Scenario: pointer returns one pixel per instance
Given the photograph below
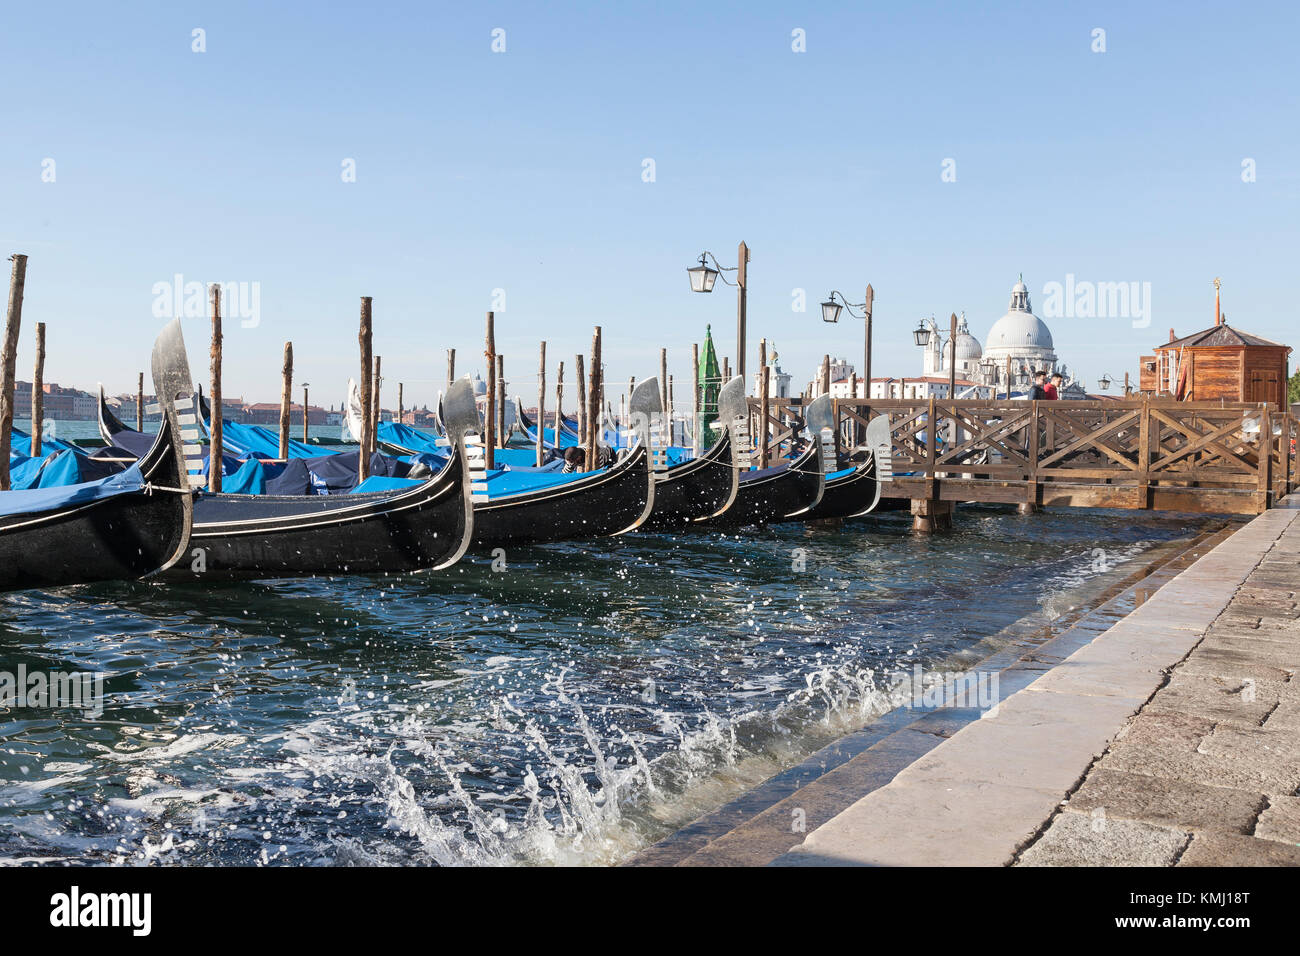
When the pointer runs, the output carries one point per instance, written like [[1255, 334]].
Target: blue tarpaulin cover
[[39, 500]]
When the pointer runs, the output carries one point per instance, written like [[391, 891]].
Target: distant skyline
[[937, 151]]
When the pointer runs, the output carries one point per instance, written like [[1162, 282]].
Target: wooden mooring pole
[[139, 403], [451, 369], [501, 400], [541, 409], [215, 447], [305, 416], [401, 409], [559, 399], [593, 403], [8, 362], [375, 404], [366, 340], [582, 401], [760, 434], [696, 426], [490, 418], [286, 399], [38, 392]]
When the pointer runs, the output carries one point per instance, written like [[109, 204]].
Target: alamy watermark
[[47, 690], [1084, 299], [925, 690], [177, 298]]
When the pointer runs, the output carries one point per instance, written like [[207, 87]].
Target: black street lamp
[[921, 335], [702, 279]]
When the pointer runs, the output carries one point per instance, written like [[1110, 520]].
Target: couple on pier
[[1043, 390]]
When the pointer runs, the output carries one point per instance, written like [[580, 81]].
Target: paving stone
[[1217, 698], [1181, 804], [1086, 839], [1280, 820], [1235, 664], [1176, 731], [1250, 772], [1227, 849], [961, 823]]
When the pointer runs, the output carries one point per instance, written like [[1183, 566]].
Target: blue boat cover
[[39, 500], [384, 483], [20, 443], [842, 473], [404, 436], [515, 481], [245, 440]]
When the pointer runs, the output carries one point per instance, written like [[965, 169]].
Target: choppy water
[[572, 708]]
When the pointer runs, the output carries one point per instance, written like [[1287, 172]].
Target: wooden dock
[[1138, 453]]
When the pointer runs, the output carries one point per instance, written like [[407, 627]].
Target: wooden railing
[[1132, 453]]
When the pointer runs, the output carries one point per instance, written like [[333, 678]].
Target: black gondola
[[857, 493], [611, 501], [416, 528], [702, 488], [118, 434], [127, 526], [789, 490]]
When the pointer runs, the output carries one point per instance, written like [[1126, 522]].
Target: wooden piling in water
[[9, 360], [559, 399], [490, 418], [663, 379], [451, 369], [696, 438], [375, 405], [366, 388], [139, 403], [501, 400], [38, 392], [593, 403], [215, 426], [305, 417], [582, 401], [286, 399], [760, 434], [541, 408]]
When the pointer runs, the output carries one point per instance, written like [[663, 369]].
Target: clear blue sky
[[523, 171]]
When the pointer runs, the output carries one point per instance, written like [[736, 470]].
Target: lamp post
[[1105, 381], [831, 308], [703, 278]]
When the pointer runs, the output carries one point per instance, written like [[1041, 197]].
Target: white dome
[[480, 386], [968, 347], [1020, 330]]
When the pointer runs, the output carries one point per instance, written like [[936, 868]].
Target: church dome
[[1020, 328], [480, 386], [968, 347]]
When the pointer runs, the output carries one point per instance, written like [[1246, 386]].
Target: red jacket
[[1050, 389]]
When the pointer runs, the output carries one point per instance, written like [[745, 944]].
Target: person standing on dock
[[1038, 391], [1054, 387]]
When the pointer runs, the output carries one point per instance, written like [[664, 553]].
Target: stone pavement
[[1171, 739]]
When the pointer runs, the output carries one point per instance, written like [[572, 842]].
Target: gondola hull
[[849, 496], [267, 536], [694, 490], [787, 491], [605, 503], [112, 539]]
